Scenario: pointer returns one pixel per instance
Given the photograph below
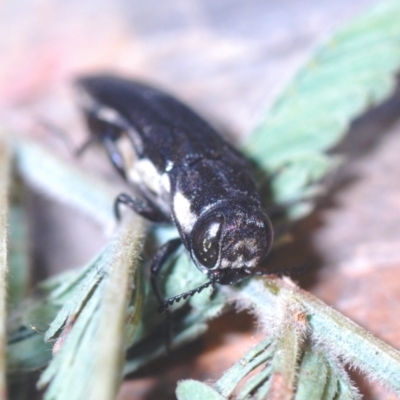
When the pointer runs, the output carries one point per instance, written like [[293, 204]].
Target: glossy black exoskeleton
[[184, 173]]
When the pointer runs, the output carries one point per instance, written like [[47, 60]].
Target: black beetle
[[184, 173]]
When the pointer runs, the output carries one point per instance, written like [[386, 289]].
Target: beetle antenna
[[57, 132], [82, 148], [62, 135], [176, 299]]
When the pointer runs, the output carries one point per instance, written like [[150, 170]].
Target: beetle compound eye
[[206, 241]]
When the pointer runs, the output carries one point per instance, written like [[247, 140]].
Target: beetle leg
[[108, 138], [158, 261], [142, 207], [81, 149], [113, 152]]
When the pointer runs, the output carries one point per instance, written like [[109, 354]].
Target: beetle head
[[230, 240]]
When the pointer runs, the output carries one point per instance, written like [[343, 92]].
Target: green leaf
[[193, 390], [354, 70], [278, 355], [97, 322], [78, 292], [27, 353], [314, 378], [150, 340], [64, 182], [258, 355], [18, 260]]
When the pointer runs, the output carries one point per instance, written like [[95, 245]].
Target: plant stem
[[4, 185], [109, 358], [338, 335]]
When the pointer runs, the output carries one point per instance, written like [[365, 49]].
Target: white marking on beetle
[[238, 263], [246, 243], [105, 113], [136, 140], [169, 166], [252, 263], [144, 171], [185, 217], [127, 152], [110, 115], [166, 182], [225, 263]]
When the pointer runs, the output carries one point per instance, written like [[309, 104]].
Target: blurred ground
[[228, 59]]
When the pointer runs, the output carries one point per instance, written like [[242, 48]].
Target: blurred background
[[228, 59]]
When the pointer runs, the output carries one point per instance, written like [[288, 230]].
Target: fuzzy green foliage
[[352, 72]]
